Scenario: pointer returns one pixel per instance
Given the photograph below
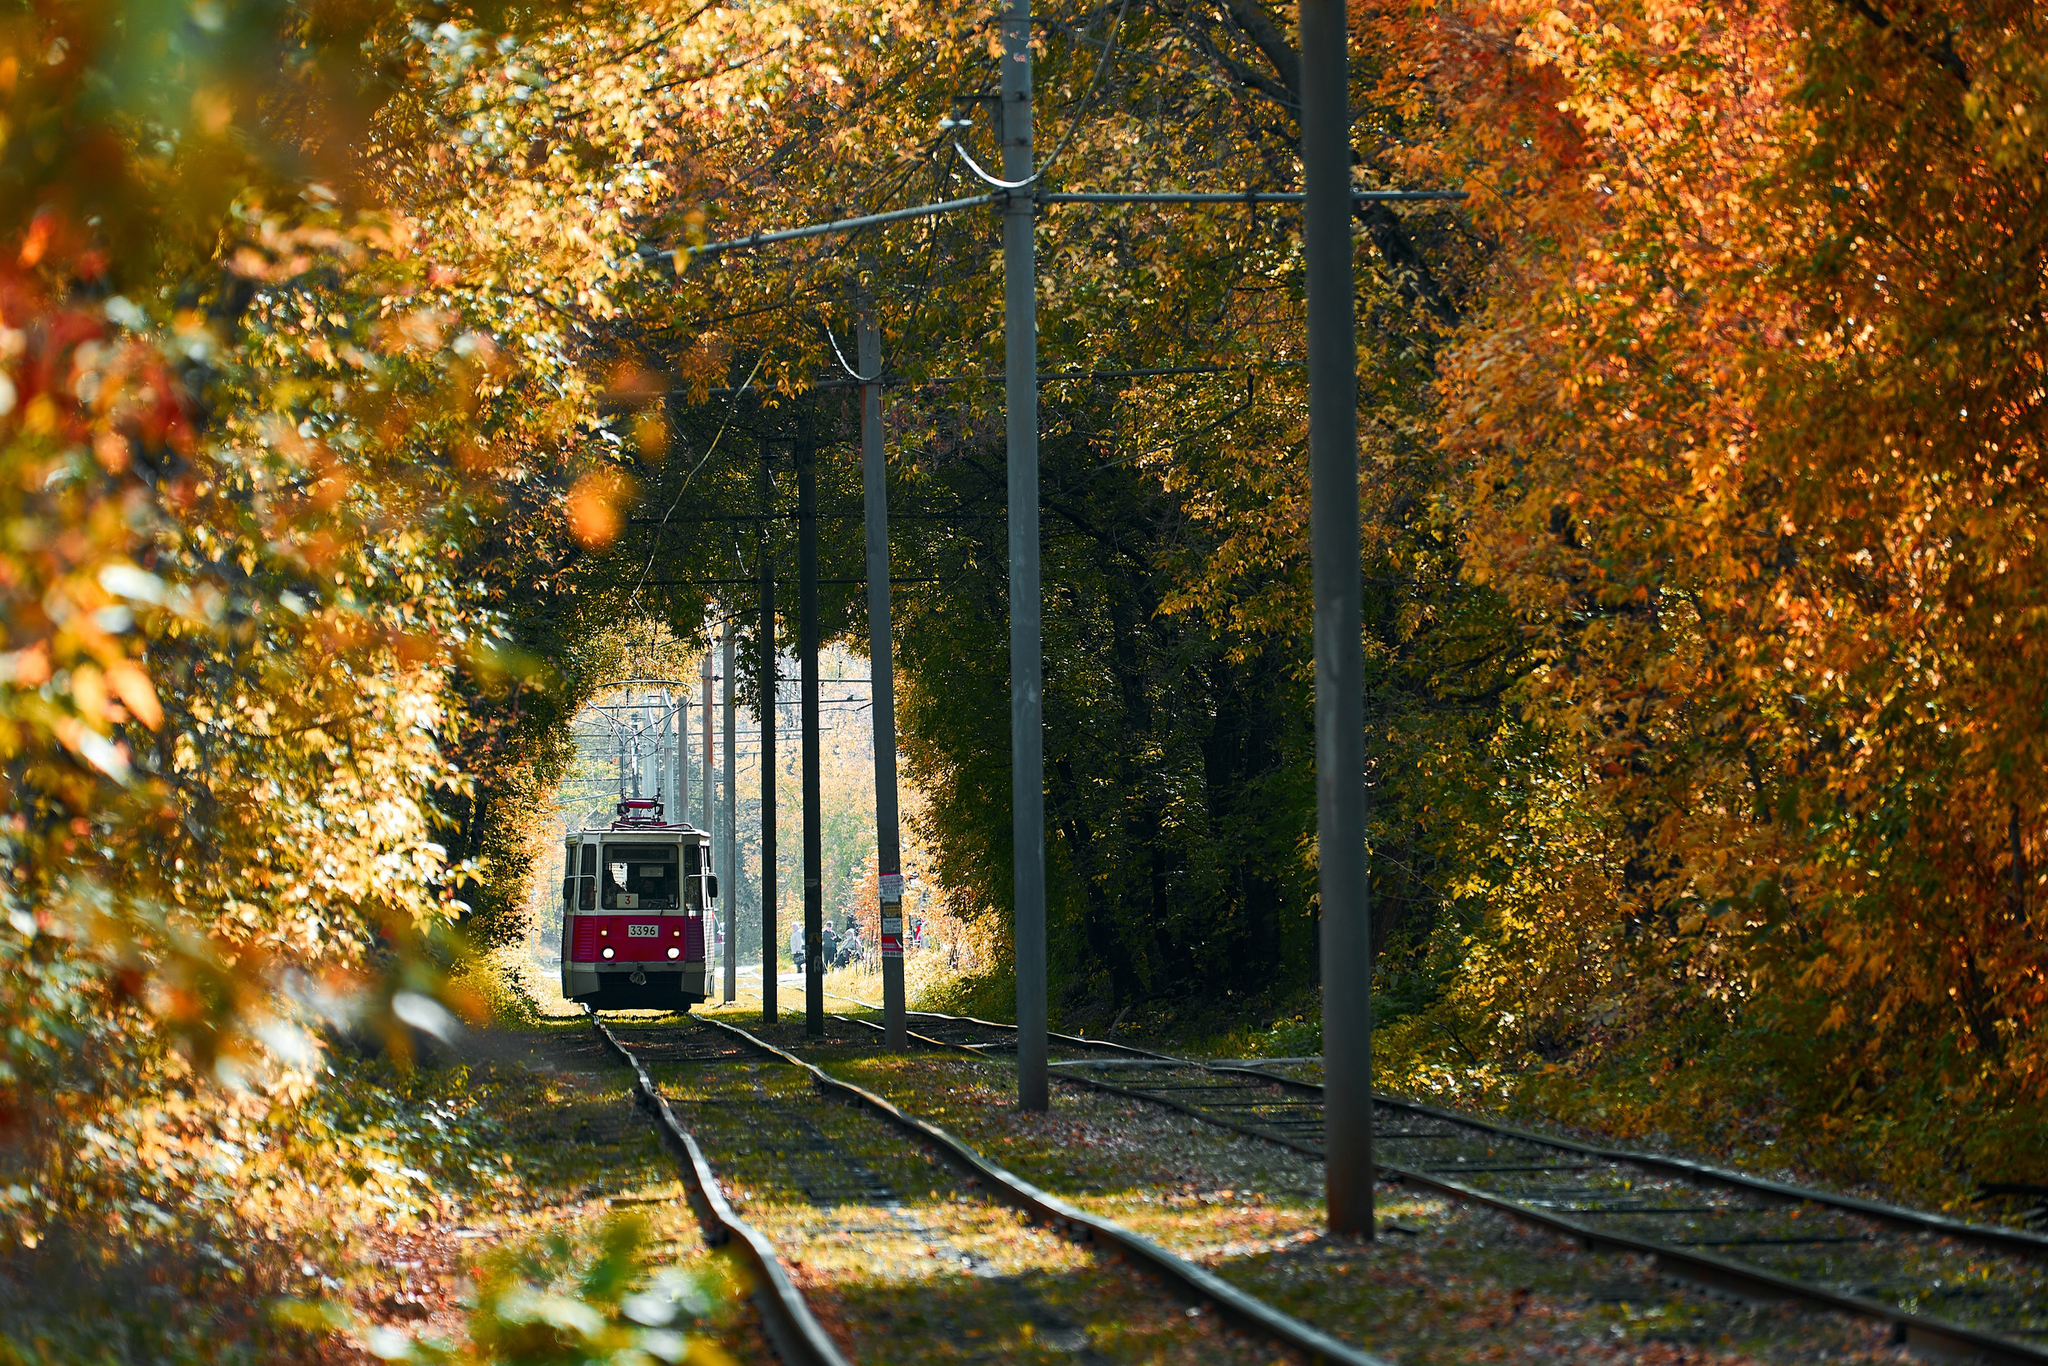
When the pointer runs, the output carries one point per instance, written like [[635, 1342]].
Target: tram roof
[[637, 828], [640, 816]]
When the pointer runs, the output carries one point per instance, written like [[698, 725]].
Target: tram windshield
[[647, 873]]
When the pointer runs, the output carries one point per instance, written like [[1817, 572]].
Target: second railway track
[[1970, 1291]]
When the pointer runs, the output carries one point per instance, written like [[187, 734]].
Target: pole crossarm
[[1242, 197], [839, 583], [999, 197]]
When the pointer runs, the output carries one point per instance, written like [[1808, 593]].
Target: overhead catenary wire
[[1044, 377], [1073, 126], [763, 239], [856, 376], [678, 502]]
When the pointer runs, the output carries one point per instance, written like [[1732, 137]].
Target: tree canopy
[[358, 382]]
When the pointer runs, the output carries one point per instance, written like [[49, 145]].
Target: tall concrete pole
[[882, 672], [705, 801], [1340, 657], [807, 663], [622, 730], [1027, 702], [768, 941], [659, 745], [729, 829]]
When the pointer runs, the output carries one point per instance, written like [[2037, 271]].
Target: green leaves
[[562, 1302]]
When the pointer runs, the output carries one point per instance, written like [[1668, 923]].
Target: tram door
[[579, 886]]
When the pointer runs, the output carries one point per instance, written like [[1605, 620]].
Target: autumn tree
[[1747, 432]]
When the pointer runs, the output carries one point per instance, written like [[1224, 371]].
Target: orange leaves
[[597, 506], [35, 241], [1764, 363]]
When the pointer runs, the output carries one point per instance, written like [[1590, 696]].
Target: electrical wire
[[730, 413], [1080, 113], [841, 355]]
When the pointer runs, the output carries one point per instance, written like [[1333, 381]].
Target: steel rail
[[1908, 1327], [1898, 1216], [1192, 1281], [1071, 1040], [794, 1331]]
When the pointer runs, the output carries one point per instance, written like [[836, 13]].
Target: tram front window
[[641, 877]]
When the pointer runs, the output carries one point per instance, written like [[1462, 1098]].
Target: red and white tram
[[633, 912]]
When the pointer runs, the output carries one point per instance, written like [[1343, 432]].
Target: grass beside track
[[903, 1260], [1445, 1282], [535, 1134]]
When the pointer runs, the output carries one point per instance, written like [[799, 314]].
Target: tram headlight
[[675, 953], [610, 952]]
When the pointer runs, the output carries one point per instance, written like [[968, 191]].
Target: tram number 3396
[[643, 931]]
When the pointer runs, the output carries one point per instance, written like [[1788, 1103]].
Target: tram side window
[[648, 871], [692, 876], [586, 896], [568, 873]]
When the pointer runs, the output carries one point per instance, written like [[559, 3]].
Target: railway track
[[1967, 1290], [798, 1337], [823, 1180]]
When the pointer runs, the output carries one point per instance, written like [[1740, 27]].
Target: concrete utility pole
[[768, 944], [658, 742], [807, 666], [681, 716], [1027, 702], [881, 672], [622, 731], [656, 732], [705, 801], [729, 828], [1340, 657]]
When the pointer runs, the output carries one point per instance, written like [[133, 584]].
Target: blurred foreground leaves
[[266, 475], [559, 1300]]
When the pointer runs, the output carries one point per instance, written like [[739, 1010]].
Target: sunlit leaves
[[1746, 431]]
